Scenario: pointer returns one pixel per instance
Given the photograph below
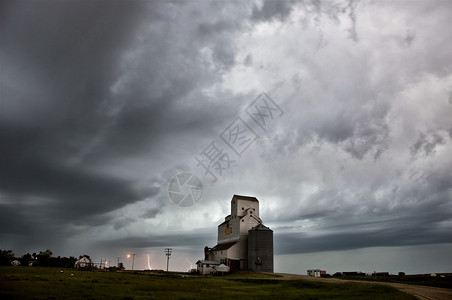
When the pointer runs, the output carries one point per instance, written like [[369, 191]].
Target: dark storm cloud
[[292, 243], [83, 35], [104, 101], [427, 144], [73, 49], [388, 228], [156, 98], [87, 86], [70, 49], [72, 46], [78, 189], [272, 9], [33, 223], [195, 240], [76, 48], [151, 213], [32, 166], [408, 223], [357, 132]]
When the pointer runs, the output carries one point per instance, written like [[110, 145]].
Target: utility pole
[[118, 262], [168, 254]]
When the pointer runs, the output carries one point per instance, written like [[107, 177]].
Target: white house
[[316, 272], [83, 262], [206, 267], [15, 263]]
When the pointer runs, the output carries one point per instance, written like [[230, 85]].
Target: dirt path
[[421, 292]]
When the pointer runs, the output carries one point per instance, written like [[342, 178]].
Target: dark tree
[[68, 262], [44, 258], [54, 261], [25, 259], [6, 256]]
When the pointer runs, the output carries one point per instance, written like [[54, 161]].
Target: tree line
[[43, 259]]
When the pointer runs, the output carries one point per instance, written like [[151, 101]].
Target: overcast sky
[[104, 102]]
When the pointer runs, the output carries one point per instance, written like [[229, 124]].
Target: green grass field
[[49, 283], [427, 280]]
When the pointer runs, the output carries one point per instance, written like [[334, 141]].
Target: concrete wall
[[233, 253], [237, 225], [239, 206], [247, 222]]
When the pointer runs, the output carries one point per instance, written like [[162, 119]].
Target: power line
[[168, 254]]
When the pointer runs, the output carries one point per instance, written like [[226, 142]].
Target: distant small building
[[15, 263], [84, 263], [206, 267], [316, 273]]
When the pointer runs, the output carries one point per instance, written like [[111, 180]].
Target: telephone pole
[[168, 254]]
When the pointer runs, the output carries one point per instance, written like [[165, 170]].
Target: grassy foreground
[[49, 283], [427, 280]]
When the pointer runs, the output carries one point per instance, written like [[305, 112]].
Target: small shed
[[206, 267], [15, 263], [316, 273], [222, 268]]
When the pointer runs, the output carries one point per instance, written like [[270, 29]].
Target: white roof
[[208, 262], [84, 259], [223, 268]]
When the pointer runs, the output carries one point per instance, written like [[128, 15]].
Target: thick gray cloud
[[272, 9], [193, 240], [102, 103]]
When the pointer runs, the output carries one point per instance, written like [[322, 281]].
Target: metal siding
[[260, 245]]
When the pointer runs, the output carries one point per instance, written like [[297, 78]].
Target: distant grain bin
[[260, 249]]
